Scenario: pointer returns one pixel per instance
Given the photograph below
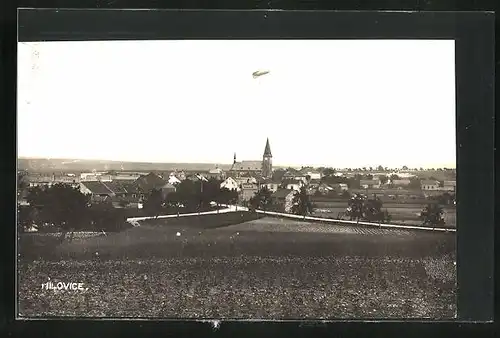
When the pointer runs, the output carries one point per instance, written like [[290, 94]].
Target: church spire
[[267, 150], [234, 159]]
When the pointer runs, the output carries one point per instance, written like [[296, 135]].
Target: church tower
[[267, 161]]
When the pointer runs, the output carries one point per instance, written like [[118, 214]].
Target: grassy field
[[265, 268], [399, 212]]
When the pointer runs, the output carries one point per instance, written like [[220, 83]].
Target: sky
[[339, 103]]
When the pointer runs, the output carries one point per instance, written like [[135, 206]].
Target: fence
[[235, 208], [229, 208]]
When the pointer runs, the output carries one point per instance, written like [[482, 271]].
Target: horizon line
[[374, 167]]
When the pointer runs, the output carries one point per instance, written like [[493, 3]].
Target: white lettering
[[63, 286]]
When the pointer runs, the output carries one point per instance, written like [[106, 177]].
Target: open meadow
[[262, 268], [400, 213]]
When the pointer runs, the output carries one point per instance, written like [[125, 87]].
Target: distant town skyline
[[330, 103]]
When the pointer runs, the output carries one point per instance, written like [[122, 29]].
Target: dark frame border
[[474, 36]]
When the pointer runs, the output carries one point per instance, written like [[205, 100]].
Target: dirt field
[[266, 268]]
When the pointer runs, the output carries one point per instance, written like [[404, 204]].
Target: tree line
[[66, 207]]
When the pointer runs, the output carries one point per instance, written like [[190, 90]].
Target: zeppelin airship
[[259, 73]]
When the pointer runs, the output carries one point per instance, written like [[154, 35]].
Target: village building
[[197, 178], [167, 189], [38, 180], [314, 175], [248, 190], [369, 184], [245, 179], [173, 180], [295, 175], [324, 189], [95, 176], [340, 187], [216, 173], [292, 184], [263, 168], [429, 185], [231, 184], [269, 183]]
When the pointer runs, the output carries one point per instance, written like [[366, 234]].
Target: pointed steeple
[[234, 160], [267, 150]]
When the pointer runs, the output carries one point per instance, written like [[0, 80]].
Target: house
[[429, 185], [231, 184], [196, 178], [293, 184], [314, 175], [49, 180], [95, 176], [293, 175], [339, 187], [167, 189], [369, 184], [314, 183], [271, 184], [450, 185], [97, 190], [283, 198], [248, 190], [216, 173], [149, 182], [180, 175], [401, 182], [173, 180], [245, 179], [324, 188]]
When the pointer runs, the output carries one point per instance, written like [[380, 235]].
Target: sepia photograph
[[237, 179]]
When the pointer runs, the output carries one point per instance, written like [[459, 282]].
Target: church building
[[263, 168]]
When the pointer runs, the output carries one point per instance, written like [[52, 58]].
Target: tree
[[346, 194], [432, 214], [22, 182], [301, 205], [405, 167], [187, 193], [380, 168], [154, 203], [211, 192], [372, 211], [103, 216], [328, 172], [394, 177], [355, 207], [383, 179], [414, 183], [172, 200], [262, 199], [60, 204]]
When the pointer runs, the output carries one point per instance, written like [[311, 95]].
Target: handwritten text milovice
[[63, 286]]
